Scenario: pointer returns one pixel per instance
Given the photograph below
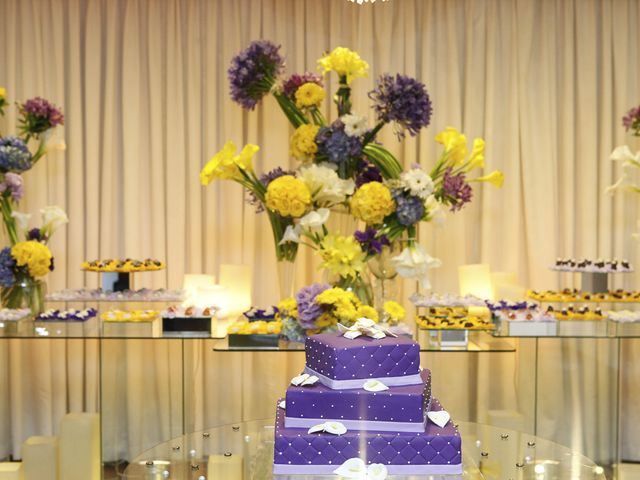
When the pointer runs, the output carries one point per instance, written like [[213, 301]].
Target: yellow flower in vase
[[495, 178], [372, 202], [225, 164], [34, 255], [369, 312], [342, 256], [346, 63], [309, 95], [288, 196], [455, 146], [394, 311], [288, 308], [303, 142]]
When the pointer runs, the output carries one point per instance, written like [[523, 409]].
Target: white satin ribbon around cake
[[334, 428], [356, 468], [364, 326], [304, 380], [400, 381], [439, 417]]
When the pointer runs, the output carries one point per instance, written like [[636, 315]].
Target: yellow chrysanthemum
[[368, 312], [455, 146], [226, 164], [303, 142], [346, 63], [342, 256], [496, 178], [326, 320], [288, 307], [288, 196], [346, 312], [395, 311], [372, 202], [34, 255], [331, 296], [309, 95]]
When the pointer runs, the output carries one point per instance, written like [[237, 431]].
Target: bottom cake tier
[[437, 451]]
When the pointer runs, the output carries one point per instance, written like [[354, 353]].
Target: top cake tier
[[342, 363]]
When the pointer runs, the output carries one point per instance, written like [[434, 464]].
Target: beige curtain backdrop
[[143, 86]]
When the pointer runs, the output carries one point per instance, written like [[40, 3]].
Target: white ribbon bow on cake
[[364, 326]]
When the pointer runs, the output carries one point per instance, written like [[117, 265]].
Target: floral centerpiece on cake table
[[341, 165], [320, 308], [28, 258]]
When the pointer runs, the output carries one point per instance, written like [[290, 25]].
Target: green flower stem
[[342, 98], [292, 112], [371, 134], [383, 159], [9, 221], [318, 117], [42, 150]]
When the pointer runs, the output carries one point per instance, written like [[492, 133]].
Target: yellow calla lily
[[496, 178], [477, 155], [245, 158], [455, 146], [225, 164], [3, 92]]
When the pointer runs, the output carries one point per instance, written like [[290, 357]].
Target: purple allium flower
[[455, 190], [403, 100], [409, 209], [39, 115], [335, 145], [370, 241], [631, 121], [7, 267], [291, 85], [14, 155], [308, 309], [253, 72], [13, 184], [368, 173]]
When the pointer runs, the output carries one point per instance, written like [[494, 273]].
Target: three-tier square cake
[[386, 422]]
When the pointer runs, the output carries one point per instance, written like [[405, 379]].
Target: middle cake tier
[[398, 409], [343, 363]]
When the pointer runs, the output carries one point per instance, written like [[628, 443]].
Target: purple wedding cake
[[375, 392]]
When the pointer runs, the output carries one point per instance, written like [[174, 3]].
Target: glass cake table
[[244, 451]]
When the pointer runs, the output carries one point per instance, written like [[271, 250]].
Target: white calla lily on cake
[[334, 428], [356, 468]]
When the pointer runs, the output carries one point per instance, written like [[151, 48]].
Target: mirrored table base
[[245, 452]]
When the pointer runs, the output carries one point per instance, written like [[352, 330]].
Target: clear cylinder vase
[[384, 277], [286, 276], [27, 292]]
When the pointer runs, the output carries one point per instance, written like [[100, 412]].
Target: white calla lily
[[291, 234], [415, 262], [315, 219], [334, 428], [53, 217], [22, 220], [623, 153], [352, 468], [374, 386], [377, 471], [440, 417]]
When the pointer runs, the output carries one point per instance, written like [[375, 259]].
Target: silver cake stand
[[244, 451]]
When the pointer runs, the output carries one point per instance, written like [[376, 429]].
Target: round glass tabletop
[[244, 451]]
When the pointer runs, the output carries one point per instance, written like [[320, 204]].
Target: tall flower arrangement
[[341, 163], [624, 155], [28, 258]]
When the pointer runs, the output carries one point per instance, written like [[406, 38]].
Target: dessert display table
[[245, 450]]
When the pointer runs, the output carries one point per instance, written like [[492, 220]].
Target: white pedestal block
[[40, 458], [225, 466], [79, 447], [11, 471]]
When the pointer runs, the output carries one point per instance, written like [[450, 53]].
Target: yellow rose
[[288, 196], [372, 202]]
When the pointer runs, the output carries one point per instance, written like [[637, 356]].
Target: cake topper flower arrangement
[[28, 258], [340, 164]]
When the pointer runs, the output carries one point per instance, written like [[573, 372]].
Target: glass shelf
[[479, 341], [582, 329], [245, 450]]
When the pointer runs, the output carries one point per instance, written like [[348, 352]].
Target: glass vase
[[341, 222], [286, 274], [384, 276], [27, 292]]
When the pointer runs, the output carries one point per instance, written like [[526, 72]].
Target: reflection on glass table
[[245, 452]]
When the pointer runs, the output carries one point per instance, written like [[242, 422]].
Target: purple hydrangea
[[7, 268], [403, 100], [14, 155], [308, 309], [39, 115], [631, 121], [370, 241], [455, 190], [335, 145], [368, 172], [291, 85], [409, 209], [253, 72], [12, 184]]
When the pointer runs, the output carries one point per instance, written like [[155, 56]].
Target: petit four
[[591, 266], [67, 315], [14, 314], [127, 265], [573, 295], [444, 300], [129, 316], [99, 295]]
